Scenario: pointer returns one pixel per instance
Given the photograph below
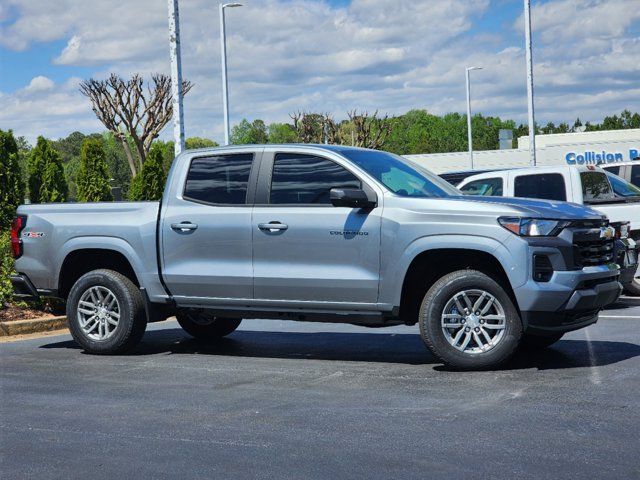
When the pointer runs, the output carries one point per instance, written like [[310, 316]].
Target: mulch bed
[[13, 313]]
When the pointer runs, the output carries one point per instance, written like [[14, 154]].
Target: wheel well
[[430, 266], [79, 262]]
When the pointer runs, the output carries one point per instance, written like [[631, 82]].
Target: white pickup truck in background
[[585, 185]]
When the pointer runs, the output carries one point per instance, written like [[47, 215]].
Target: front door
[[206, 231], [306, 250]]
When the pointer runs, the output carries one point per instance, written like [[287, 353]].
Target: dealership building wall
[[583, 148]]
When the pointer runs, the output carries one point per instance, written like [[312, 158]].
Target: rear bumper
[[23, 289]]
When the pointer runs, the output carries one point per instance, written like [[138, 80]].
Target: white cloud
[[39, 84], [302, 54]]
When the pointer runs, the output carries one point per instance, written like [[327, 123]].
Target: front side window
[[491, 187], [545, 186], [622, 188], [595, 187], [222, 179], [307, 179]]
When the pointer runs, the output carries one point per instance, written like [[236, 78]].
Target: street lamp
[[176, 76], [223, 49], [469, 114], [529, 58]]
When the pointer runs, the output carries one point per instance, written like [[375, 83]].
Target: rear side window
[[307, 179], [595, 187], [635, 175], [222, 179], [615, 170], [546, 186], [491, 187]]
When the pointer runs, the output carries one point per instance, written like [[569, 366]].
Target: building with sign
[[580, 148]]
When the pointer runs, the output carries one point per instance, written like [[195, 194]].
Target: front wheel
[[204, 326], [469, 322]]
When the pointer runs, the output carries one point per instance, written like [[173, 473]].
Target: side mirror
[[350, 197]]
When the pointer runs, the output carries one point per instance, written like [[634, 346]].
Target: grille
[[593, 252]]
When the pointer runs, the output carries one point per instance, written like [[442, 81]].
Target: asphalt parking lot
[[297, 400]]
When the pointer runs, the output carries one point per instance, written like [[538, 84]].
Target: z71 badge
[[33, 234]]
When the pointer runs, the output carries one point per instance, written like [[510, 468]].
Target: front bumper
[[569, 301]]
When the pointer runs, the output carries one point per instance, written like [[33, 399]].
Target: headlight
[[533, 227]]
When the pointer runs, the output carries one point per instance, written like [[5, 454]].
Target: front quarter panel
[[411, 227]]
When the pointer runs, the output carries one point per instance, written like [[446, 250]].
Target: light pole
[[529, 56], [176, 76], [469, 136], [223, 51]]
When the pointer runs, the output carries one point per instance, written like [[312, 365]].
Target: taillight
[[17, 225]]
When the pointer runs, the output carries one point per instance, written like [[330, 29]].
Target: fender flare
[[115, 244], [391, 287]]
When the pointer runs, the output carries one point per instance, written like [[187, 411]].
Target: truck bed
[[53, 230]]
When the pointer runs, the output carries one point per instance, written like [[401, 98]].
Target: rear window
[[545, 186], [615, 170], [490, 187], [596, 187], [219, 180], [635, 175]]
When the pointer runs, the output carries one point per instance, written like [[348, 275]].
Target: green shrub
[[6, 268], [11, 184], [93, 174], [149, 183], [46, 174]]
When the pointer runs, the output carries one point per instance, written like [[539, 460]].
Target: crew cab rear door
[[305, 249], [206, 228]]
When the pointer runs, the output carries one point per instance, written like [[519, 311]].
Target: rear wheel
[[539, 342], [105, 312], [469, 322], [205, 326]]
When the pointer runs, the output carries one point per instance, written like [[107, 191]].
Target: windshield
[[399, 175], [622, 188], [596, 187]]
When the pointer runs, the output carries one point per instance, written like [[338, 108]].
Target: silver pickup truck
[[320, 233]]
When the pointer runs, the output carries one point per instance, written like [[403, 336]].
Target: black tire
[[432, 333], [539, 342], [132, 320], [204, 326], [634, 287]]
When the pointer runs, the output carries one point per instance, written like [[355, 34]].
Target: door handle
[[272, 227], [184, 226]]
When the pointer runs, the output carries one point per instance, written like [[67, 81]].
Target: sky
[[328, 56]]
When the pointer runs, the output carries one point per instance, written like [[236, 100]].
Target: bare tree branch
[[129, 111]]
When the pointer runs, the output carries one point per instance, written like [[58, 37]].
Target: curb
[[34, 325]]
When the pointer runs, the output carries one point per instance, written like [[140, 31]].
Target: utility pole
[[529, 57], [469, 133], [223, 55], [176, 76]]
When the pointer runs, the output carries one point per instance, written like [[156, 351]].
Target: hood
[[538, 208]]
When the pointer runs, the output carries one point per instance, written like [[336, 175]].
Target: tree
[[149, 183], [246, 133], [130, 111], [47, 182], [315, 127], [370, 131], [282, 133], [11, 182], [93, 175]]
